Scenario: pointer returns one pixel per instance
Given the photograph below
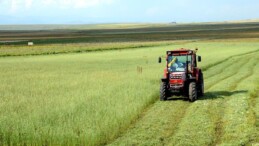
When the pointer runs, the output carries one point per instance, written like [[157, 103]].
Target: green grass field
[[76, 97]]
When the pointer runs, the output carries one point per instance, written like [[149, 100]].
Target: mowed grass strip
[[197, 130], [225, 88], [230, 93], [254, 112], [239, 119], [201, 120], [253, 103], [156, 125]]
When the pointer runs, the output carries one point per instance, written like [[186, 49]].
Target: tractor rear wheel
[[163, 91], [192, 92], [201, 86]]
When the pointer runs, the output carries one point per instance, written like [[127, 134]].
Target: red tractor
[[181, 75]]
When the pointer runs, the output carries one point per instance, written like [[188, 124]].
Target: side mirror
[[199, 58], [159, 59]]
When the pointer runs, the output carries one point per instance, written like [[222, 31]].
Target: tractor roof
[[182, 51]]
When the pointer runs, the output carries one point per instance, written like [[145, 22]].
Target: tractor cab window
[[178, 63]]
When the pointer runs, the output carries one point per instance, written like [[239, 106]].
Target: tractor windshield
[[178, 63]]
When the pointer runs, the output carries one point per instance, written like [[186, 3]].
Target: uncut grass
[[22, 50], [86, 99], [69, 101]]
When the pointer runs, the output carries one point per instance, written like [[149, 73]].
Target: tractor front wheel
[[163, 91], [192, 92]]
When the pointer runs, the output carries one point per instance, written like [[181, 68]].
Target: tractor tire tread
[[163, 91], [192, 92]]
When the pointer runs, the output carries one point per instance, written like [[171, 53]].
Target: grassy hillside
[[102, 97]]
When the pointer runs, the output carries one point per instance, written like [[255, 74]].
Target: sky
[[125, 11]]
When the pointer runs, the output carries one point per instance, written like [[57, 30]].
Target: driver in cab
[[175, 65]]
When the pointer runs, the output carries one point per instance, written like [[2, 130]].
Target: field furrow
[[227, 73], [220, 68], [250, 72], [219, 63]]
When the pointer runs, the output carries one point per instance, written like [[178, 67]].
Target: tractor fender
[[193, 79], [165, 77], [164, 80], [198, 74]]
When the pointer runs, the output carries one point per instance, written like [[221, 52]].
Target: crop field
[[107, 93]]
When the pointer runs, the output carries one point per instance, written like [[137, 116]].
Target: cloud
[[14, 6], [152, 11], [48, 2], [28, 3], [76, 3], [86, 3], [18, 5]]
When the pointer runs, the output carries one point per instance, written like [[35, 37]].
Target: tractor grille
[[176, 76]]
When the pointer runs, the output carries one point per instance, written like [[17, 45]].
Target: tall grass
[[92, 98], [23, 50]]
